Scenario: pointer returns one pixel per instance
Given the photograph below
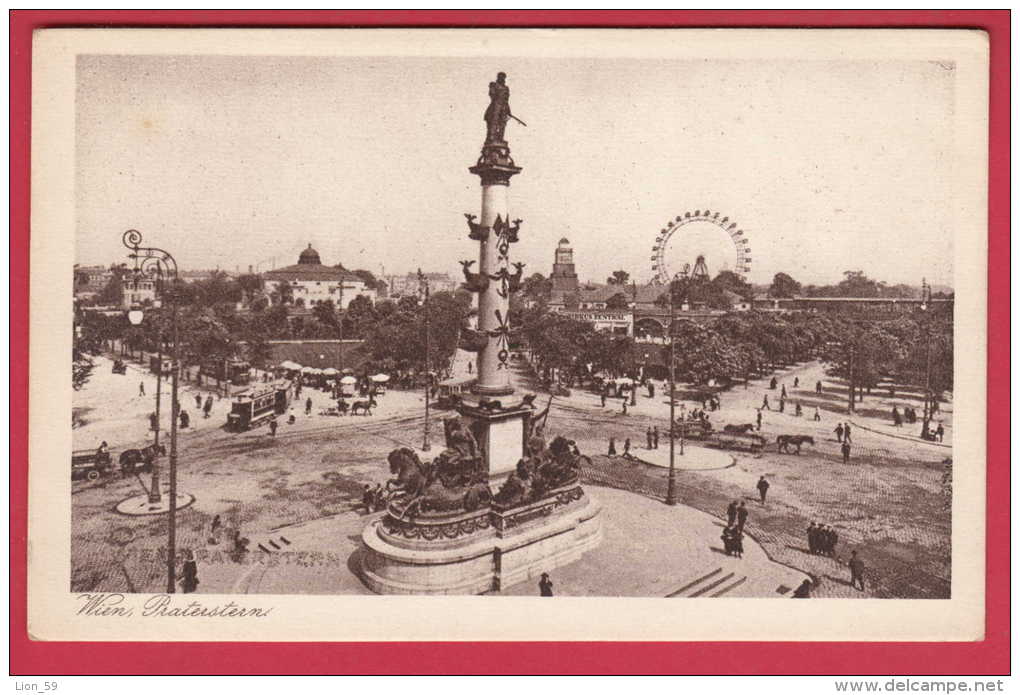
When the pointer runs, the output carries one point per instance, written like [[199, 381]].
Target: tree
[[113, 292], [784, 286], [618, 302], [619, 277], [325, 313], [702, 354]]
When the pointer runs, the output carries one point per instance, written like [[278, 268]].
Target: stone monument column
[[495, 167]]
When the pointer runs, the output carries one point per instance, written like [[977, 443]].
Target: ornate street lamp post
[[161, 264], [680, 279]]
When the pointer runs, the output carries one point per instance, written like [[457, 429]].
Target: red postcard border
[[990, 656]]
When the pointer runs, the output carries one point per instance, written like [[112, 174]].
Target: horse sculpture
[[785, 441], [130, 458], [545, 469]]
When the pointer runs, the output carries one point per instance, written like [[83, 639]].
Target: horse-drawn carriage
[[90, 463], [737, 440], [119, 367], [692, 429]]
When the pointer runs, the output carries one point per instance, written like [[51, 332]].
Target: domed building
[[312, 283]]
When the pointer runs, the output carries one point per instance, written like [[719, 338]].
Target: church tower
[[564, 277]]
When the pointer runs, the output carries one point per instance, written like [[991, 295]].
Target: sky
[[231, 161]]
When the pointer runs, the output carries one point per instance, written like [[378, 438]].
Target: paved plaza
[[297, 497]]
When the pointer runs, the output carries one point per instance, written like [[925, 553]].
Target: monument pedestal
[[481, 551], [501, 435]]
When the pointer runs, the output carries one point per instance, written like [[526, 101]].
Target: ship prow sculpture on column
[[499, 505]]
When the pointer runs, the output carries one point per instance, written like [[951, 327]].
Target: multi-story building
[[564, 277], [90, 280], [312, 283], [410, 284]]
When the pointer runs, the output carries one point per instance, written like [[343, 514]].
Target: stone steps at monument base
[[711, 585]]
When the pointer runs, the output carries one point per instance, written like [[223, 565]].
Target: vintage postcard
[[508, 335]]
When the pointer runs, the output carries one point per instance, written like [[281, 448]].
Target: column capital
[[495, 166]]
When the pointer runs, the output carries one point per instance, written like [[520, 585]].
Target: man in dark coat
[[545, 585], [759, 419], [765, 404], [602, 397], [731, 513], [655, 437], [803, 591], [763, 488], [846, 431], [208, 406], [846, 451], [741, 517], [273, 424], [839, 431], [940, 431], [818, 387], [856, 571], [648, 437], [612, 446], [308, 406]]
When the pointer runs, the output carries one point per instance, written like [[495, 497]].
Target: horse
[[739, 429], [787, 440], [130, 458], [365, 406]]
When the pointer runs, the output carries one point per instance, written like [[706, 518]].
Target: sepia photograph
[[590, 315]]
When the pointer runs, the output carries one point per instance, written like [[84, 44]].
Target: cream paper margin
[[52, 608]]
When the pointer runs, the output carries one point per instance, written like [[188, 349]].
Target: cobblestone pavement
[[907, 559]]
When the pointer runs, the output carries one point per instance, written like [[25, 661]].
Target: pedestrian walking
[[471, 367], [612, 446], [308, 406], [846, 451], [839, 431], [272, 427], [189, 573], [846, 431], [655, 437], [602, 397], [545, 585], [799, 410], [624, 406], [940, 432], [758, 418], [731, 513], [763, 488], [185, 419], [772, 384], [141, 388], [207, 409], [648, 437], [803, 591], [741, 517], [198, 401], [897, 420], [765, 403], [782, 403], [856, 571], [818, 416], [796, 381], [818, 387], [782, 393]]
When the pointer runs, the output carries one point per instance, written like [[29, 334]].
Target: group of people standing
[[822, 539], [733, 534]]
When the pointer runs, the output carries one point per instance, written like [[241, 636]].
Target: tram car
[[237, 372], [257, 406]]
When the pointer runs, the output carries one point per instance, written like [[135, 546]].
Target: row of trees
[[744, 344]]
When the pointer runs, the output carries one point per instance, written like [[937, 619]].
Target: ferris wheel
[[701, 236]]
